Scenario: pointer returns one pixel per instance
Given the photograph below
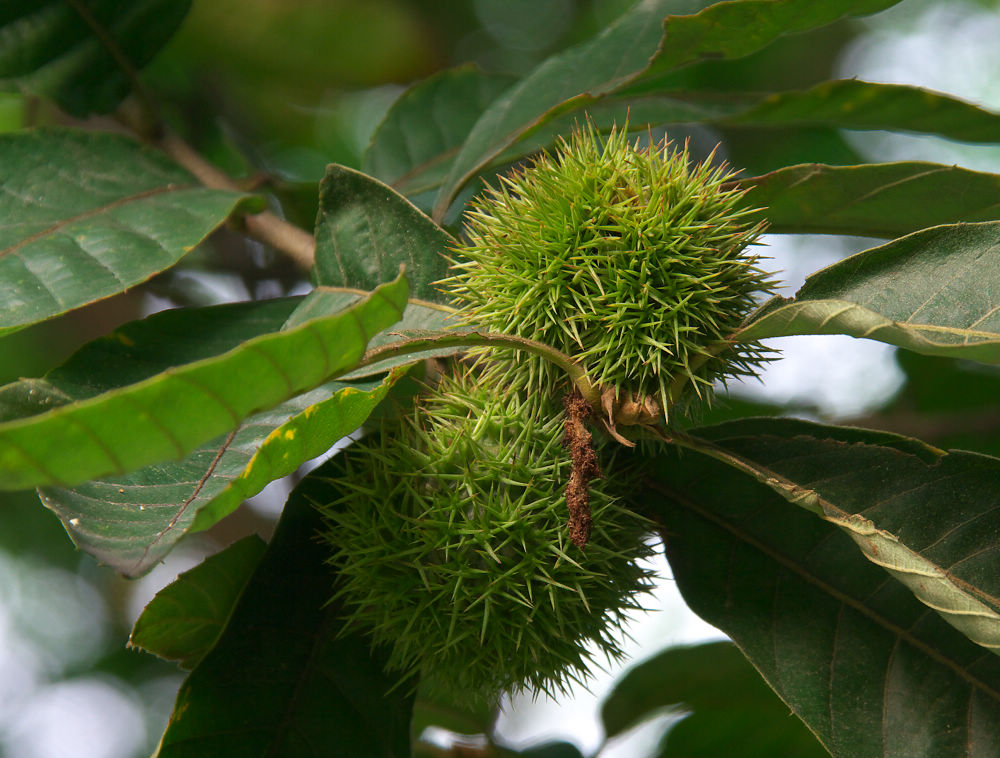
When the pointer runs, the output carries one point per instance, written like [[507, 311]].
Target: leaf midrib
[[831, 591], [63, 223]]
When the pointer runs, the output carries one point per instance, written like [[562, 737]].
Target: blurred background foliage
[[272, 91]]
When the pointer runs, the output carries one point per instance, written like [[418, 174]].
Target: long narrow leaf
[[931, 292], [854, 104], [168, 415], [131, 522], [872, 200], [638, 43]]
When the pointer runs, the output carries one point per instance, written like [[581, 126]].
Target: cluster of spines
[[633, 260], [453, 548]]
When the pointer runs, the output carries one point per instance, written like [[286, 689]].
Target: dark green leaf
[[853, 104], [638, 42], [931, 292], [871, 670], [365, 230], [729, 30], [187, 616], [845, 104], [758, 151], [565, 81], [95, 214], [170, 414], [730, 710], [873, 200], [413, 147], [926, 516], [69, 50], [285, 680]]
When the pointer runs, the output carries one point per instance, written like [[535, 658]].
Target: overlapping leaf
[[184, 620], [75, 51], [420, 319], [285, 678], [413, 147], [637, 43], [853, 104], [86, 215], [418, 163], [870, 669], [168, 415], [727, 709], [729, 30], [365, 230], [934, 291], [928, 517], [131, 522], [873, 200]]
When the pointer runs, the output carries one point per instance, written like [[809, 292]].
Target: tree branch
[[266, 227]]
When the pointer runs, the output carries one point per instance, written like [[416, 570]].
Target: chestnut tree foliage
[[855, 569]]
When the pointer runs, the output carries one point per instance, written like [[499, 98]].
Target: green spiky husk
[[452, 545], [634, 261]]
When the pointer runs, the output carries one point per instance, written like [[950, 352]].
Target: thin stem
[[572, 369], [266, 227]]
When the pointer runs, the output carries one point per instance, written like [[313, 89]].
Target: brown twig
[[578, 439], [265, 227]]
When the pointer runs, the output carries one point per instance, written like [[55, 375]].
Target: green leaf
[[845, 104], [637, 43], [413, 147], [873, 200], [853, 104], [870, 669], [170, 414], [365, 230], [419, 319], [565, 81], [730, 710], [95, 214], [286, 678], [930, 292], [52, 48], [131, 522], [924, 515], [728, 30], [184, 620]]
